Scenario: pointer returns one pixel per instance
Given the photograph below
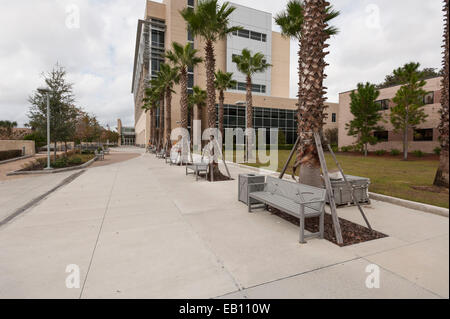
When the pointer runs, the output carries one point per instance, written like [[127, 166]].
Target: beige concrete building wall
[[281, 65], [176, 30], [8, 145], [395, 139]]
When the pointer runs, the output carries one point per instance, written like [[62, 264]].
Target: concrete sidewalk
[[142, 229]]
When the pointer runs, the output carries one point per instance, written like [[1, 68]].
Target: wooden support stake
[[350, 186], [289, 158], [323, 163]]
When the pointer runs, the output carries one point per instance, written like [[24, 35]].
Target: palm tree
[[249, 65], [307, 22], [441, 178], [198, 99], [158, 92], [183, 58], [150, 105], [210, 21], [224, 80], [291, 22], [7, 127], [168, 77]]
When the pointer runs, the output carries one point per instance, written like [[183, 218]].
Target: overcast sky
[[375, 37]]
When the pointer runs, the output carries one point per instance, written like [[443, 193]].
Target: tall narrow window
[[333, 117]]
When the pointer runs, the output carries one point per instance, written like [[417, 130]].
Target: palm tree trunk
[[221, 112], [168, 119], [210, 62], [184, 109], [311, 90], [152, 126], [249, 119], [442, 175], [161, 127]]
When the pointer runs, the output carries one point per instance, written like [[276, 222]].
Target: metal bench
[[299, 200], [161, 154], [197, 168]]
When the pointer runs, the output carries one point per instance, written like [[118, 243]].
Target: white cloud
[[99, 55]]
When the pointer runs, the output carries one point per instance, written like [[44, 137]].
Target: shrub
[[380, 152], [418, 153], [437, 150], [334, 148], [395, 152], [60, 162], [6, 155], [346, 148], [75, 160]]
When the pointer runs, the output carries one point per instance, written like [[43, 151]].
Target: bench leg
[[321, 225], [302, 230], [302, 225]]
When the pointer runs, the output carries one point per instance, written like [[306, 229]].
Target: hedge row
[[6, 155]]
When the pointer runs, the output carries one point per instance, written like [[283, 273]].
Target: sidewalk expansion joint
[[38, 199]]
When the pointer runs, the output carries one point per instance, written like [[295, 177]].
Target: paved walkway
[[142, 229]]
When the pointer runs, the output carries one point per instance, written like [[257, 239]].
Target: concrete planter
[[53, 171]]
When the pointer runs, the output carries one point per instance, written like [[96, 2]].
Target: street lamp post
[[46, 91]]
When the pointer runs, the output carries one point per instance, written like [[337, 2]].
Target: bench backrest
[[296, 192]]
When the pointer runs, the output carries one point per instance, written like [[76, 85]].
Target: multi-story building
[[273, 108], [126, 134], [424, 137]]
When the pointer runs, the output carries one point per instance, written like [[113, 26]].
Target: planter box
[[342, 193], [244, 181]]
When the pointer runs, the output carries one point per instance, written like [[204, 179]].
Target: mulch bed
[[351, 233], [218, 178]]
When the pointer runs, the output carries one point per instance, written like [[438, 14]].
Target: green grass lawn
[[411, 180]]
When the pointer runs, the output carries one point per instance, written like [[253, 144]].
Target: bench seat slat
[[283, 203]]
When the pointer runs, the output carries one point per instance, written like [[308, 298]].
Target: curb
[[35, 201], [15, 159], [436, 210], [53, 171], [410, 204]]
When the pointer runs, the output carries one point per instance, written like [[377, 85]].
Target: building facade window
[[428, 98], [382, 136], [256, 88], [423, 134], [333, 117], [157, 39], [190, 3], [384, 104], [284, 120], [244, 33]]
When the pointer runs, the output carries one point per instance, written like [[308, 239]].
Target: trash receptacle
[[244, 181], [342, 193]]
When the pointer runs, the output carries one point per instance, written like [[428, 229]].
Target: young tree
[[183, 58], [224, 80], [366, 115], [63, 113], [210, 22], [442, 174], [408, 111]]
